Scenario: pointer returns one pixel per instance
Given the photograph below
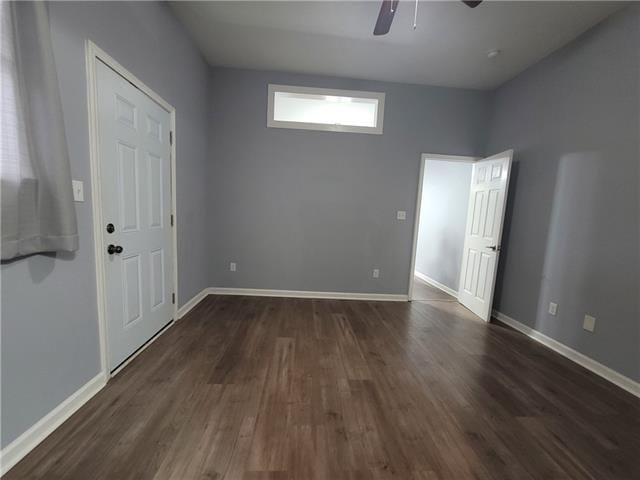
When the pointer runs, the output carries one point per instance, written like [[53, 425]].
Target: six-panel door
[[487, 199], [135, 181]]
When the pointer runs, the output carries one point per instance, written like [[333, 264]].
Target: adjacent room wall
[[49, 318], [571, 233], [443, 217], [308, 210]]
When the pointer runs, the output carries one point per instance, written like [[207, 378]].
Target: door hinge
[[173, 298], [170, 138], [172, 219]]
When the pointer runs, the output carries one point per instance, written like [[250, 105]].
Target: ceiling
[[449, 46]]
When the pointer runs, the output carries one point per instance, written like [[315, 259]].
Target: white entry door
[[135, 182], [485, 217]]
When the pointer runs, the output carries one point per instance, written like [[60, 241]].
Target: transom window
[[325, 109]]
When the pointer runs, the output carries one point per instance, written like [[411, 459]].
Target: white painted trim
[[437, 284], [272, 123], [93, 53], [98, 244], [581, 359], [416, 222], [198, 297], [21, 446], [449, 158], [416, 227], [260, 292]]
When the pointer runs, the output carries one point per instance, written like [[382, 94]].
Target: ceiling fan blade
[[387, 10], [472, 3]]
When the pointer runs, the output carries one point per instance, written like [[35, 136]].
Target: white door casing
[[134, 155], [483, 234], [416, 226]]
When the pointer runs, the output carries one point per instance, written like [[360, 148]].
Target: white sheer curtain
[[37, 211]]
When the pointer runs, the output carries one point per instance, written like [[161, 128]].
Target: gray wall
[[308, 210], [443, 217], [571, 232], [49, 318]]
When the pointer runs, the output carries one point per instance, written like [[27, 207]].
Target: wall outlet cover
[[553, 308], [401, 215], [78, 190], [589, 323], [376, 273], [232, 266]]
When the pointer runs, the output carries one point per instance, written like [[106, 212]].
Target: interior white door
[[485, 218], [135, 182]]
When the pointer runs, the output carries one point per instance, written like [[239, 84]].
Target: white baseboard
[[259, 292], [590, 364], [186, 308], [16, 450], [436, 284]]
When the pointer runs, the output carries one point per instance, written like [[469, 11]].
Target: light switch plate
[[553, 308], [401, 215], [232, 266], [78, 190], [376, 273], [589, 323]]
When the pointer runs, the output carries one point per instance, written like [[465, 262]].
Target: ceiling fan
[[389, 8]]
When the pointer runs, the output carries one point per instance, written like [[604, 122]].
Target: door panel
[[131, 289], [487, 202], [135, 175], [157, 278], [156, 213], [128, 192]]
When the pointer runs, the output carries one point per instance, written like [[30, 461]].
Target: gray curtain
[[38, 213]]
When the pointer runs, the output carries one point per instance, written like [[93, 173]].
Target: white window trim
[[377, 130]]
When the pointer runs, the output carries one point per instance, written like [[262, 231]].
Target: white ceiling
[[448, 48]]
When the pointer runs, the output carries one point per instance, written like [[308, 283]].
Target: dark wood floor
[[422, 291], [268, 388]]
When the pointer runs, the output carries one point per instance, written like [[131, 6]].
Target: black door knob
[[111, 249]]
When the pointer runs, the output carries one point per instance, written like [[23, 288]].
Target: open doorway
[[457, 235], [442, 215]]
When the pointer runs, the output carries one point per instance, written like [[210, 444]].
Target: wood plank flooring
[[269, 388], [422, 291]]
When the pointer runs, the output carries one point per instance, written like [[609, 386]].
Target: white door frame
[[416, 224], [94, 54]]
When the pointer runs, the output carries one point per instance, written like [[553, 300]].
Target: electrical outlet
[[589, 323], [376, 273], [232, 266], [553, 308], [401, 215], [78, 190]]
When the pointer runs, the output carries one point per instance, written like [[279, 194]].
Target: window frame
[[272, 123]]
